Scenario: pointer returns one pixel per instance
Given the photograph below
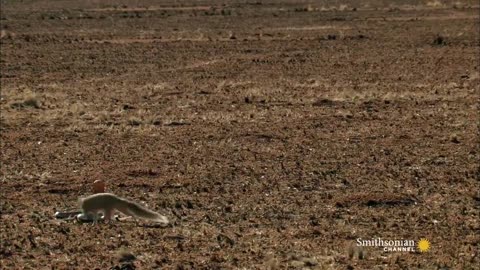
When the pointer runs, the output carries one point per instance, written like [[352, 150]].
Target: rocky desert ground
[[273, 134]]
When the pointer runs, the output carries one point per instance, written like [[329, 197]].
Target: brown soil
[[273, 134]]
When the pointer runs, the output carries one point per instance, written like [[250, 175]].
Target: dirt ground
[[273, 134]]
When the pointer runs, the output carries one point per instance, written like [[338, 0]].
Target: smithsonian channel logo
[[387, 245]]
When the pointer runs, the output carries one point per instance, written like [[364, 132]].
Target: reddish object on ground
[[98, 186]]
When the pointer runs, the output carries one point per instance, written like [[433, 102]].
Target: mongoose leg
[[108, 215], [95, 218], [133, 216]]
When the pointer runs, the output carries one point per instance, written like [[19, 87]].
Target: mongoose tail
[[136, 210]]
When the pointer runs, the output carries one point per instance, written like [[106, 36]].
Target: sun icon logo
[[423, 245]]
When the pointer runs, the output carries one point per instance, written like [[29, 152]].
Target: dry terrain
[[273, 134]]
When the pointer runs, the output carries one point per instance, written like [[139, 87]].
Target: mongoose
[[107, 203]]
